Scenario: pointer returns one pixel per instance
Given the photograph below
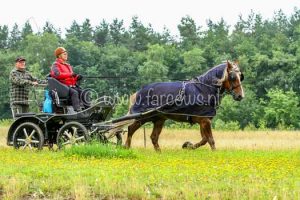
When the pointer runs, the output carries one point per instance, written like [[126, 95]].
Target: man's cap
[[20, 58]]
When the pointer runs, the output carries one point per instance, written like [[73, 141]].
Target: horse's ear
[[229, 65]]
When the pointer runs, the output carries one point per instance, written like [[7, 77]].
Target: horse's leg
[[131, 130], [157, 127], [205, 124], [204, 138]]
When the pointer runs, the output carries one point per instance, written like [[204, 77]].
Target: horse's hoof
[[157, 150], [187, 145]]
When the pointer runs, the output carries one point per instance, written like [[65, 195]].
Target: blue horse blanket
[[197, 97]]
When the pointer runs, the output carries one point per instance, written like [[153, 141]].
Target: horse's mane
[[214, 76]]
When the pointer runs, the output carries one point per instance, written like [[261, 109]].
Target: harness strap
[[181, 92]]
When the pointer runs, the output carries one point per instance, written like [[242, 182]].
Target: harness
[[221, 90]]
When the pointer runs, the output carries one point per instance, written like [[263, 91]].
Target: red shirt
[[63, 71]]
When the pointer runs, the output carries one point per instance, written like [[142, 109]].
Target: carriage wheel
[[28, 135], [71, 133]]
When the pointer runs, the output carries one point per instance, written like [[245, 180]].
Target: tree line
[[268, 51]]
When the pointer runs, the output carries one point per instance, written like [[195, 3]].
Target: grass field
[[246, 165]]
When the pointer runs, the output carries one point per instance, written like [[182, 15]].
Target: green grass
[[145, 174], [98, 150]]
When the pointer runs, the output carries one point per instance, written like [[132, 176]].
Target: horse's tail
[[132, 100]]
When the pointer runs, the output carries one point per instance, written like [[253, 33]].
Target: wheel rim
[[27, 137]]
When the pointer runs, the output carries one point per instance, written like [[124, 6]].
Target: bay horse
[[225, 78]]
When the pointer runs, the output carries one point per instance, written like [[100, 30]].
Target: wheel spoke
[[30, 146], [20, 140], [25, 132], [67, 134], [65, 143], [79, 138], [24, 147], [74, 130], [31, 134], [35, 141]]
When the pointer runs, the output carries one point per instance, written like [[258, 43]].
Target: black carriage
[[64, 126]]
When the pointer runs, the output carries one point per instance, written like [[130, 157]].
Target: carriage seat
[[61, 98], [59, 92]]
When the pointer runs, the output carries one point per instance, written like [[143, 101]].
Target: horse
[[225, 78]]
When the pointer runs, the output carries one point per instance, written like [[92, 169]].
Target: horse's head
[[233, 81]]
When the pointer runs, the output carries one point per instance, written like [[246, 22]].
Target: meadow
[[246, 165]]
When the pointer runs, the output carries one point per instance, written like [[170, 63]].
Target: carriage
[[65, 127]]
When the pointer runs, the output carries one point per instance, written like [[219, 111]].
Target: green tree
[[86, 31], [82, 53], [189, 32], [216, 43], [249, 110], [281, 109], [194, 63], [74, 31], [153, 70], [166, 37], [117, 32], [7, 64], [4, 37], [39, 52], [273, 70], [113, 61], [49, 28], [141, 36], [15, 38], [173, 60], [101, 35], [26, 30]]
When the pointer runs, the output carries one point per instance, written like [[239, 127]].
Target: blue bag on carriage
[[47, 106]]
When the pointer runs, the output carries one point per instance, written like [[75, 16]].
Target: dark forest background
[[268, 52]]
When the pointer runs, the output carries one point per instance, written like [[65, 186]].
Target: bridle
[[232, 76]]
